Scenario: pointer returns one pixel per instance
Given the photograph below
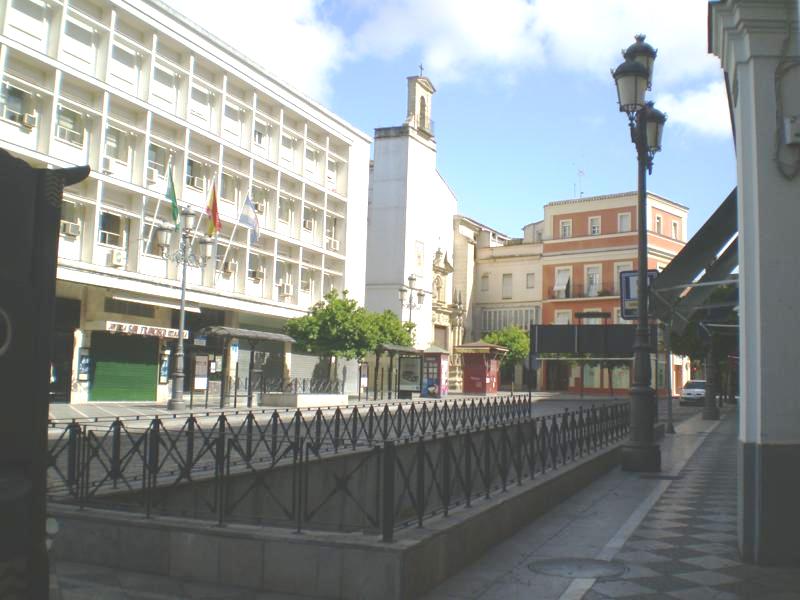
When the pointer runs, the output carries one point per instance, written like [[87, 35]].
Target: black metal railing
[[107, 455], [400, 467], [580, 290]]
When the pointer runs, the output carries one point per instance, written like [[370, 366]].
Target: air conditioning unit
[[70, 229], [285, 289], [228, 267], [258, 207], [255, 274], [29, 121], [152, 175], [117, 258], [308, 224], [196, 181], [105, 165], [333, 244]]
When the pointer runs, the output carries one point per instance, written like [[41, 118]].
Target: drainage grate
[[578, 568]]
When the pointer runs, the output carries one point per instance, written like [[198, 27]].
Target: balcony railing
[[580, 290]]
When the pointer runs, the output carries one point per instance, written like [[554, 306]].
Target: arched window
[[423, 113]]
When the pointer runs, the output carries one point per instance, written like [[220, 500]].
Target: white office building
[[130, 87]]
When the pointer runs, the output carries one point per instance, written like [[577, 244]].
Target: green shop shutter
[[125, 368]]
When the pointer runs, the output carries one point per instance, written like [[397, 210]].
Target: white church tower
[[410, 231]]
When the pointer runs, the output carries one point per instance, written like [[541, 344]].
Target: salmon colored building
[[571, 261]]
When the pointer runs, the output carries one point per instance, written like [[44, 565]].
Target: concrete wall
[[316, 564]]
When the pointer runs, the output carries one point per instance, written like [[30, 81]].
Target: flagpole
[[230, 239], [155, 213]]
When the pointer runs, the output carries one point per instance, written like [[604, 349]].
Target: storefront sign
[[152, 330]]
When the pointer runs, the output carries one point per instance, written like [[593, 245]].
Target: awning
[[435, 350], [161, 303], [677, 292], [397, 349], [243, 334], [480, 348], [562, 281]]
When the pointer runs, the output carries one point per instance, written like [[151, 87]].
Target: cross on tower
[[420, 69]]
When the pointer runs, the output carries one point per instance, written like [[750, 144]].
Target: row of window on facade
[[113, 227], [113, 232], [593, 284], [28, 21], [594, 226], [71, 127], [508, 283], [493, 319]]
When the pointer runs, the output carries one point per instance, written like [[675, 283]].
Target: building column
[[756, 40]]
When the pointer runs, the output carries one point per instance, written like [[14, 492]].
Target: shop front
[[126, 362]]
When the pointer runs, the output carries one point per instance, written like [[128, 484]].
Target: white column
[[752, 38]]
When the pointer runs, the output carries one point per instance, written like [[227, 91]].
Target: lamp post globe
[[643, 53]]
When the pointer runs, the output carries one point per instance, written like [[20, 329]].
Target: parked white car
[[694, 392]]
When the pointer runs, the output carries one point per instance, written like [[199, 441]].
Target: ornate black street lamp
[[186, 257], [410, 289], [633, 78]]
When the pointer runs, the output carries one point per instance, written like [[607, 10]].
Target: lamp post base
[[711, 413], [641, 457], [173, 404]]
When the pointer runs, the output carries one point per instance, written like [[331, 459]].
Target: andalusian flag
[[214, 224], [176, 211]]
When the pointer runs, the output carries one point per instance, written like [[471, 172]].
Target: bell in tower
[[420, 91]]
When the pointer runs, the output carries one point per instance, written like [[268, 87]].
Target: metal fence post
[[189, 447], [446, 473], [73, 439], [116, 471], [387, 490]]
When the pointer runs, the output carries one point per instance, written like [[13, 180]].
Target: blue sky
[[524, 96]]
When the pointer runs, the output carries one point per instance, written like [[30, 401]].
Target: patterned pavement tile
[[686, 547], [710, 578], [621, 589], [710, 562], [648, 545]]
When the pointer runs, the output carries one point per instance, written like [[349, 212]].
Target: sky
[[525, 110]]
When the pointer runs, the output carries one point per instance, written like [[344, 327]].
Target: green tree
[[513, 338], [337, 326], [388, 329]]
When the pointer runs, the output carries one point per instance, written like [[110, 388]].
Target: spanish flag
[[214, 224]]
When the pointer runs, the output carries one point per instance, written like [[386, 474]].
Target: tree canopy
[[337, 326], [513, 338]]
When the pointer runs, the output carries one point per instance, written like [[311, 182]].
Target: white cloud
[[705, 110], [288, 39], [454, 38], [300, 42]]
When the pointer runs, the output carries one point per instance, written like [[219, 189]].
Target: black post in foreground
[[633, 79], [31, 201]]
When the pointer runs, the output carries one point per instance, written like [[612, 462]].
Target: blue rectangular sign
[[629, 292]]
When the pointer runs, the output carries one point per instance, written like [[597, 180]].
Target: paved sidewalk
[[668, 535]]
